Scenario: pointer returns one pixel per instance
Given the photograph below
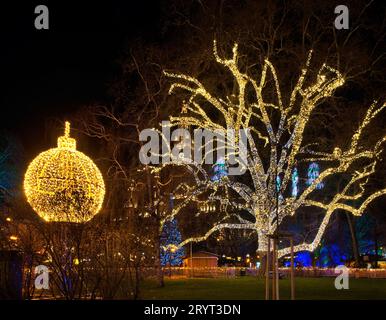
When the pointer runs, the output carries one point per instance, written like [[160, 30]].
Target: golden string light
[[63, 184], [238, 113]]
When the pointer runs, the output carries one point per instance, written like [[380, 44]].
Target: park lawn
[[251, 288]]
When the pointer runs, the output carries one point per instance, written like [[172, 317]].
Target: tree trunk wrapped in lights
[[275, 147]]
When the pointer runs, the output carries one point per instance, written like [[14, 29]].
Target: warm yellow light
[[8, 219], [13, 238], [280, 124], [63, 184]]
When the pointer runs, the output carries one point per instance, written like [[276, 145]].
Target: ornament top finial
[[67, 129], [65, 141]]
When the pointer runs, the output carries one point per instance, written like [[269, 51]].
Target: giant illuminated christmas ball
[[63, 184]]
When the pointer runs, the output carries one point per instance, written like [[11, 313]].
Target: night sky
[[49, 74]]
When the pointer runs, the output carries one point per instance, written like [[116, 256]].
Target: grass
[[251, 288]]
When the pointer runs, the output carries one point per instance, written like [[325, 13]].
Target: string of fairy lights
[[238, 113], [64, 185]]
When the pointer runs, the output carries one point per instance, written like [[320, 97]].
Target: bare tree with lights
[[275, 147]]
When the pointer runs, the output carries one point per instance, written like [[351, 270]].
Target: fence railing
[[212, 272], [229, 272]]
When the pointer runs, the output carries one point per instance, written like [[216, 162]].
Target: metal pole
[[273, 269], [191, 259], [267, 270], [292, 270], [277, 270]]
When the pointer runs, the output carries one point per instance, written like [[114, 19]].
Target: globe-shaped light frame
[[63, 184]]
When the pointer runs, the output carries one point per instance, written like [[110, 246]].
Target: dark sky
[[49, 74], [52, 73]]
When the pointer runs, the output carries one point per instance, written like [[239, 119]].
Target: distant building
[[201, 259]]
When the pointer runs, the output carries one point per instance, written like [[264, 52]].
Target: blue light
[[220, 170], [313, 173], [295, 183], [331, 256], [171, 236], [303, 259]]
